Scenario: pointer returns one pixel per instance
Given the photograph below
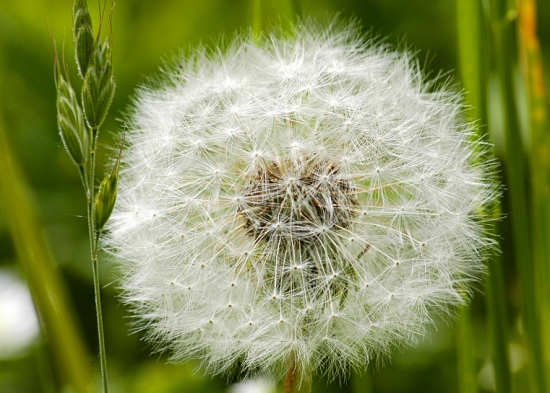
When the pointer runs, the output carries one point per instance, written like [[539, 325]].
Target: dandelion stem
[[294, 382], [290, 377]]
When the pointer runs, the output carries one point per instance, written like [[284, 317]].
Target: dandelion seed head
[[311, 195]]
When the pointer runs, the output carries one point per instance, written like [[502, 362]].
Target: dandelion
[[308, 200]]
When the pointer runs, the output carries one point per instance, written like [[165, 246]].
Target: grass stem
[[539, 124], [264, 12], [48, 290], [474, 67], [89, 187], [467, 381], [502, 33]]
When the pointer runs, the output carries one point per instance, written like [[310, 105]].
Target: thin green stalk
[[472, 44], [539, 123], [99, 317], [289, 9], [256, 17], [47, 288], [469, 42], [516, 169], [470, 49], [265, 12], [94, 240], [467, 379], [497, 321]]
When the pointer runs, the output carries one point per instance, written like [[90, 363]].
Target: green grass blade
[[467, 381], [50, 297], [497, 322], [474, 67], [470, 47], [264, 13], [517, 182], [539, 124], [256, 20]]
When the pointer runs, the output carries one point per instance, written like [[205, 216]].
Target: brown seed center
[[298, 199]]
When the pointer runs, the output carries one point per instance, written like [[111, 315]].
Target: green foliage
[[144, 33]]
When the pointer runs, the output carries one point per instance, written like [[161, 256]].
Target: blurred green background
[[145, 32]]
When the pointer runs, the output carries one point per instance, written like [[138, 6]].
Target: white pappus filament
[[311, 194]]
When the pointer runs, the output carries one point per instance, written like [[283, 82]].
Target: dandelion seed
[[321, 173]]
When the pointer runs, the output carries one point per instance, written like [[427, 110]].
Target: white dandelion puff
[[309, 196]]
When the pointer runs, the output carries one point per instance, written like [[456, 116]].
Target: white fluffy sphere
[[310, 196]]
